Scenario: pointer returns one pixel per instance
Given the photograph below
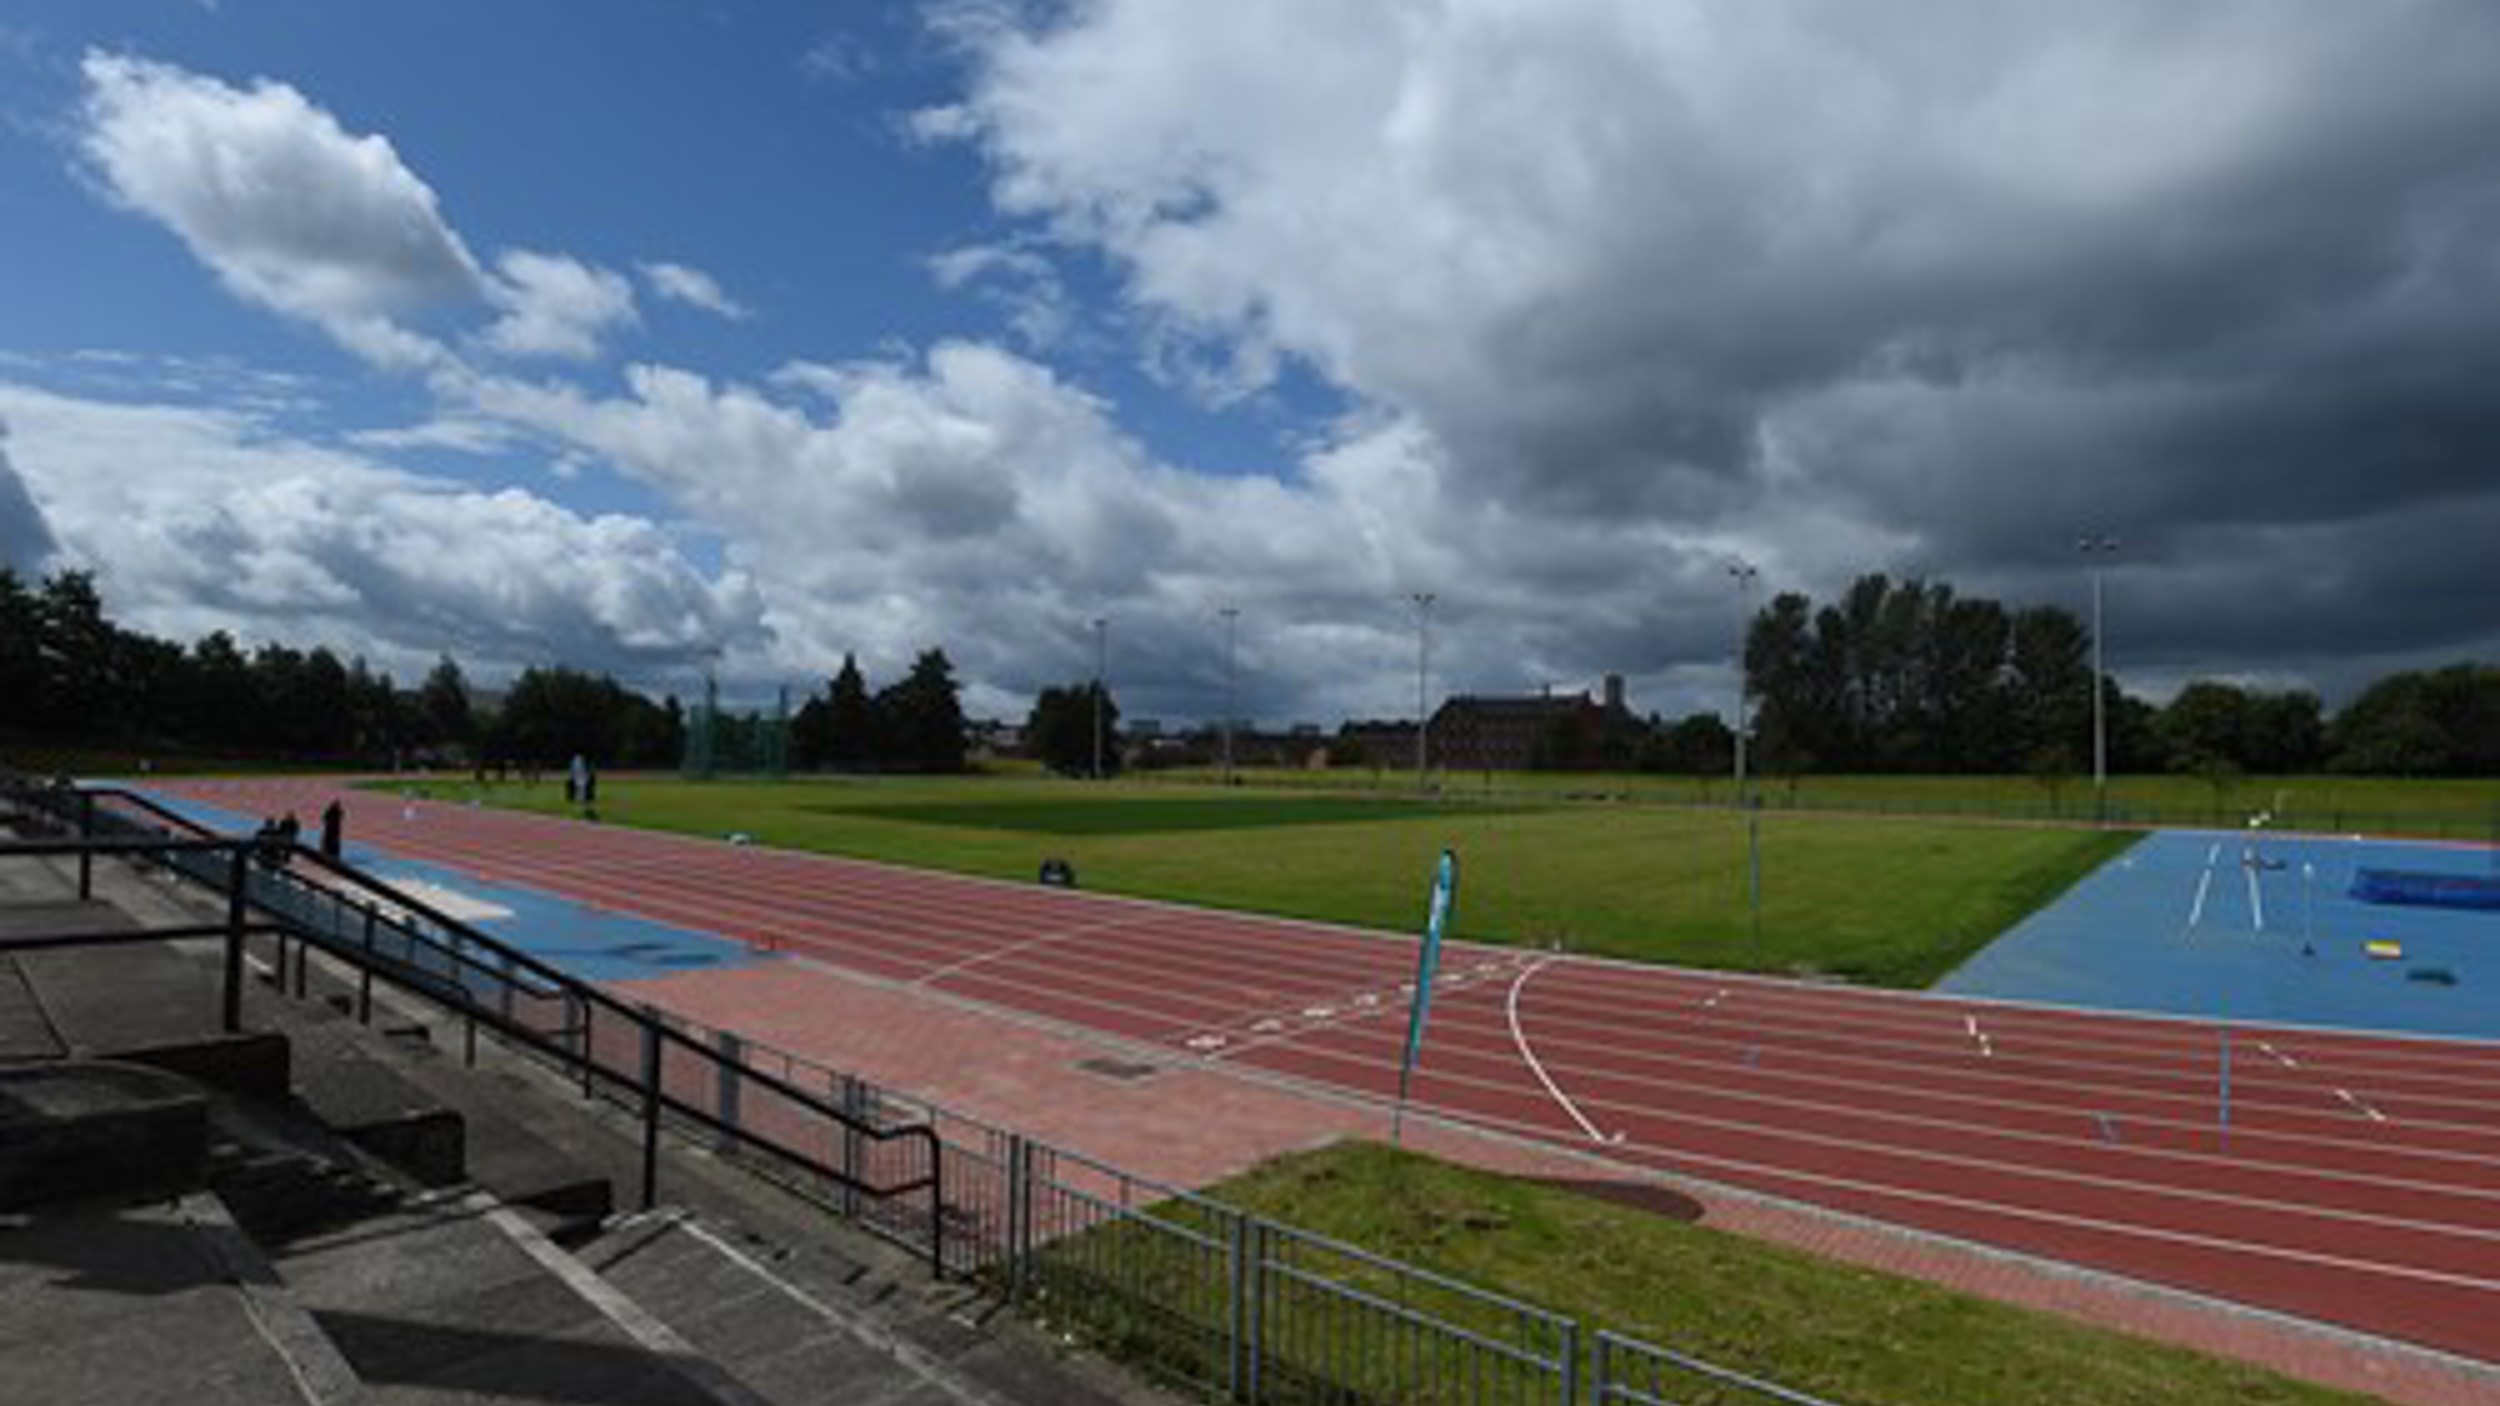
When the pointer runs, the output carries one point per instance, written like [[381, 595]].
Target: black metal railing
[[313, 901]]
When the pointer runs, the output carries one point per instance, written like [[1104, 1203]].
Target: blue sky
[[646, 336]]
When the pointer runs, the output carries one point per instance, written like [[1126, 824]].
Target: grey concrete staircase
[[383, 1225]]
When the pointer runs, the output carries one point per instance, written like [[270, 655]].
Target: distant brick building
[[1539, 731], [1384, 745]]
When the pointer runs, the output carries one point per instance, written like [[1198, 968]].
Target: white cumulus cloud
[[556, 306], [199, 519], [286, 207], [683, 283]]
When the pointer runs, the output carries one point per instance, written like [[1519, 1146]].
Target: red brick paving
[[1194, 1124]]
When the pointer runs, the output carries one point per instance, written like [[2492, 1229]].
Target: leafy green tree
[[2207, 721], [2423, 723], [850, 720], [921, 717], [443, 703], [1060, 730]]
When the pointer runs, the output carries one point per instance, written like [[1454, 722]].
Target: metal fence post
[[364, 982], [1247, 1249], [86, 857], [1018, 1192], [725, 1102], [937, 1203], [854, 1102], [236, 876], [650, 1111], [1570, 1362]]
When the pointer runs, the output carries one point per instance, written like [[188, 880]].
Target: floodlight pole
[[1102, 666], [2096, 549], [1744, 573], [1423, 669], [1232, 684]]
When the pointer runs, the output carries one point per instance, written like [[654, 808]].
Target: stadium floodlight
[[2097, 549], [1232, 685], [1102, 666], [1423, 670], [1745, 573]]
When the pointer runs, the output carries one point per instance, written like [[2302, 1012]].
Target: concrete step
[[112, 1302], [794, 1347], [24, 1032], [372, 1104], [73, 1129], [452, 1298], [393, 1091], [149, 1003]]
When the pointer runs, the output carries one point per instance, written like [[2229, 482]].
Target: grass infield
[[2434, 807], [1849, 1334], [1890, 902]]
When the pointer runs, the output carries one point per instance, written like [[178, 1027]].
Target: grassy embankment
[[1849, 1334]]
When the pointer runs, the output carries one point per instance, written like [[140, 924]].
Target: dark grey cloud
[[1846, 293]]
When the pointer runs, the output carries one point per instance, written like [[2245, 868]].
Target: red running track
[[2357, 1180]]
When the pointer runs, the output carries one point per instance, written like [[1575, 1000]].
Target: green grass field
[[1892, 902], [1849, 1334], [2439, 807]]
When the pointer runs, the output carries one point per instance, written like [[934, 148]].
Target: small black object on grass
[[1059, 873]]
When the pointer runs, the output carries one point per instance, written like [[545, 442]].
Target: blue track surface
[[2182, 924], [591, 943]]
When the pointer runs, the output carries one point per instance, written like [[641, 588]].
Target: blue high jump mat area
[[2310, 930]]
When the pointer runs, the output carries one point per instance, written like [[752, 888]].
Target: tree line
[[915, 723], [1909, 676], [1894, 676], [70, 675]]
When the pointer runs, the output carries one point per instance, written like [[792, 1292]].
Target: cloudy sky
[[642, 335]]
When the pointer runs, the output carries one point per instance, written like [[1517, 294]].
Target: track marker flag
[[1427, 966]]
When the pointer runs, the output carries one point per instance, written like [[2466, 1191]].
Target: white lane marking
[[1266, 1025], [2256, 902], [1688, 1158], [937, 974], [1318, 1012], [2279, 1057], [2196, 910], [2364, 1109], [1206, 1042], [1519, 1037], [1715, 998], [1971, 1024]]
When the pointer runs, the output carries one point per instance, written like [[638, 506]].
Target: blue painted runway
[[594, 944], [2184, 924]]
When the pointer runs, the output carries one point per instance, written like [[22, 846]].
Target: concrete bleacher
[[325, 1211]]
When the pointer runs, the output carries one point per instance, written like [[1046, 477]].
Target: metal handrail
[[656, 1035]]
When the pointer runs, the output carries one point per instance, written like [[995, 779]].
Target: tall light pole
[[1102, 665], [1744, 573], [1423, 669], [2097, 549], [1232, 684]]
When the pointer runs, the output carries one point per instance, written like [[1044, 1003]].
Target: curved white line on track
[[1519, 1038]]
